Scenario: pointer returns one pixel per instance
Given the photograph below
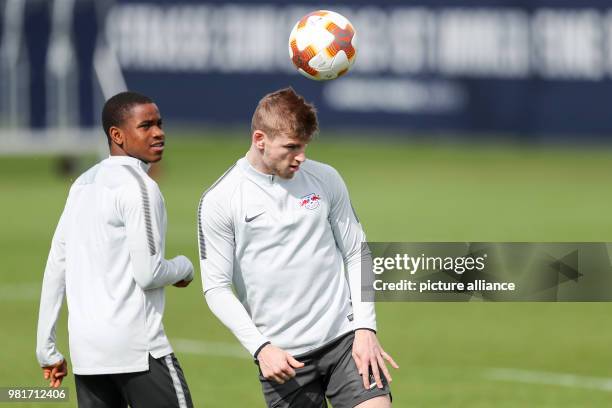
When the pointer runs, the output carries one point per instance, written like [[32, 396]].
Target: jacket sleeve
[[351, 241], [216, 245], [143, 212], [51, 298]]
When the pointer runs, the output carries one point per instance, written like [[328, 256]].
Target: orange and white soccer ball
[[323, 45]]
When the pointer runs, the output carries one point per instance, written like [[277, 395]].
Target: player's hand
[[367, 354], [276, 364], [182, 283], [55, 373]]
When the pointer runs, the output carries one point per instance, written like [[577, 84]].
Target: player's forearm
[[52, 297], [168, 272], [349, 238], [364, 314], [224, 304], [152, 272]]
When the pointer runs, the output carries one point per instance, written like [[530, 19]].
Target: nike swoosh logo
[[249, 219]]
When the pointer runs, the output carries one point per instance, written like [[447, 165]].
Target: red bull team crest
[[310, 201]]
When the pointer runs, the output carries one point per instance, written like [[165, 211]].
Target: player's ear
[[116, 135], [258, 139]]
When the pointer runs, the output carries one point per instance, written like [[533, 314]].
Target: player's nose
[[301, 157], [159, 134]]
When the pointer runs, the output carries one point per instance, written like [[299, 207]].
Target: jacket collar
[[128, 160], [255, 174]]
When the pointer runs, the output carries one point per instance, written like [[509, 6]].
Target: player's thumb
[[294, 363]]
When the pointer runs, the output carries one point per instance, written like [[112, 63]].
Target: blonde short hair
[[285, 112]]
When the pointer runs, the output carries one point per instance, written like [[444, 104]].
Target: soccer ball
[[323, 45]]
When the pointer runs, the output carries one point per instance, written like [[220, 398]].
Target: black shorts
[[329, 371], [163, 385]]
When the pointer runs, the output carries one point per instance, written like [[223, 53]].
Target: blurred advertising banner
[[486, 271], [530, 67]]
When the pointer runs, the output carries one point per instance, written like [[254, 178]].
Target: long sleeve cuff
[[256, 354], [364, 316], [48, 358]]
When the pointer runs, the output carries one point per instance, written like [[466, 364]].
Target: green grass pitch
[[402, 192]]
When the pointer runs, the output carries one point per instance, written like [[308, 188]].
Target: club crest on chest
[[310, 201]]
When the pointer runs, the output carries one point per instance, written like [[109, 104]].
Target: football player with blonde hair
[[280, 230]]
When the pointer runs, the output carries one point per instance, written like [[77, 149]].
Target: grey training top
[[291, 249]]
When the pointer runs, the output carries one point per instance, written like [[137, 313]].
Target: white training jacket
[[291, 248], [107, 256]]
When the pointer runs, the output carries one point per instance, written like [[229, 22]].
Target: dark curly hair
[[117, 108]]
